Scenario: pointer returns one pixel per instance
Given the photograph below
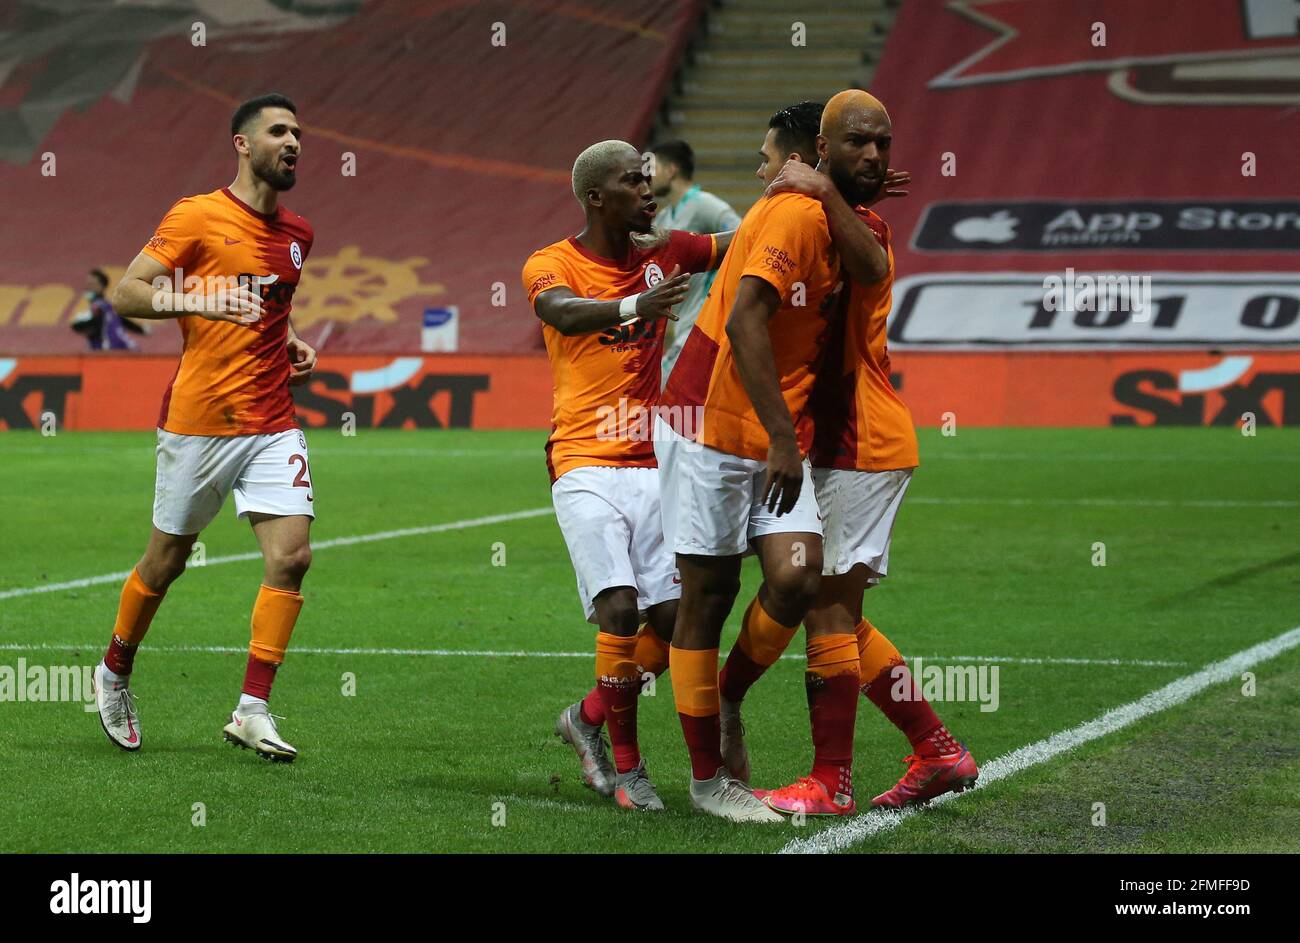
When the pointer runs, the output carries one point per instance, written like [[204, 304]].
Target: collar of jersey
[[600, 259], [267, 217]]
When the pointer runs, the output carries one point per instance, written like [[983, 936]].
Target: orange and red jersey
[[607, 383], [785, 241], [861, 423], [232, 379]]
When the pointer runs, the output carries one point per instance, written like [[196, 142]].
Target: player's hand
[[798, 177], [895, 180], [302, 360], [784, 477], [240, 305], [658, 301]]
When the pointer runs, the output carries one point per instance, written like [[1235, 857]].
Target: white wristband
[[627, 309]]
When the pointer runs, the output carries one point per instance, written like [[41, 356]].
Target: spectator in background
[[683, 205], [104, 328]]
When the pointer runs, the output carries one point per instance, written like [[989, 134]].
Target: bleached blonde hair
[[590, 170]]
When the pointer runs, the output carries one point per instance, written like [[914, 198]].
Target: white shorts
[[610, 520], [713, 502], [858, 511], [268, 474]]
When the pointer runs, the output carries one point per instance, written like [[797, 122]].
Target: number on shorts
[[300, 480]]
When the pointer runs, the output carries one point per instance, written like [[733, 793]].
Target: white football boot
[[116, 710], [252, 727], [597, 771], [734, 754], [635, 791], [729, 798]]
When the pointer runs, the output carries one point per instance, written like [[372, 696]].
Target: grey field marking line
[[522, 653], [860, 828]]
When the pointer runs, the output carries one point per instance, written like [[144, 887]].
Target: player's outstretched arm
[[751, 343], [570, 315], [864, 258], [722, 240], [147, 291]]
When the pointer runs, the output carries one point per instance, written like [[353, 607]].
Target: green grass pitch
[[993, 559]]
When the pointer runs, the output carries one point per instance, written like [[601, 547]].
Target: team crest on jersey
[[653, 275], [295, 255]]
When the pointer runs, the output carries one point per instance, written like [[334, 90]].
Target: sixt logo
[[620, 337], [1184, 399]]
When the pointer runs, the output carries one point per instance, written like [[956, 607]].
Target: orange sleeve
[[178, 236], [787, 245], [543, 271]]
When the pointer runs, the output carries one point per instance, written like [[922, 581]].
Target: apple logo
[[1000, 227]]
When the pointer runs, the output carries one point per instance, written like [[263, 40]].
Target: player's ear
[[794, 156], [823, 147], [593, 197], [241, 143]]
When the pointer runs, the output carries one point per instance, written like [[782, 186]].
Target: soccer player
[[227, 422], [603, 296], [740, 476], [683, 205], [863, 455]]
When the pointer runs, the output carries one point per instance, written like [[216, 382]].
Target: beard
[[852, 189], [267, 169]]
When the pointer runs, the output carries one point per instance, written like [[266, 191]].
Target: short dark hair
[[680, 153], [253, 107], [797, 128], [99, 276]]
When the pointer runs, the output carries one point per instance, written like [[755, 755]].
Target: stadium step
[[743, 66]]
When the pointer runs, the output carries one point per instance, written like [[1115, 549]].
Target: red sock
[[832, 685], [258, 678], [899, 698], [703, 737], [618, 684], [889, 685], [938, 742], [120, 656], [761, 642], [695, 693], [591, 711]]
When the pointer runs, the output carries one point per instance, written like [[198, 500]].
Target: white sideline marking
[[478, 653], [322, 545], [839, 837]]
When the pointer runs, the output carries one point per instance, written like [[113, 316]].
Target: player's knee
[[715, 597], [291, 565], [617, 612], [792, 590], [160, 569]]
